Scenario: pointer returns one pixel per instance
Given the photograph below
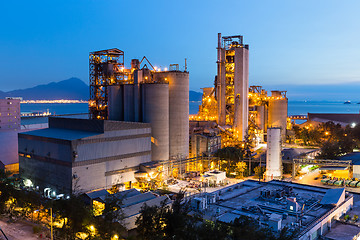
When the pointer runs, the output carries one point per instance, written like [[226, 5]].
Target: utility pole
[[51, 227]]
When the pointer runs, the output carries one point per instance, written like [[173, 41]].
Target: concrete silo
[[155, 110], [178, 111], [115, 107], [273, 154], [277, 111]]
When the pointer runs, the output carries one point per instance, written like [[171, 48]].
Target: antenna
[[185, 65]]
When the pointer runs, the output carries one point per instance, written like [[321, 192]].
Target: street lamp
[[51, 221]]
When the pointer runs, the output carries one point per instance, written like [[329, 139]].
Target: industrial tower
[[232, 83], [106, 68]]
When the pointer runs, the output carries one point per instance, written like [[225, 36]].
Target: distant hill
[[72, 88], [195, 96]]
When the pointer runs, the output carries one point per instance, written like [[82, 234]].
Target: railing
[[327, 162]]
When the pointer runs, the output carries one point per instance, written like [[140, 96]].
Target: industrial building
[[132, 202], [240, 110], [139, 123], [310, 210], [205, 138], [10, 114], [83, 154], [146, 94], [10, 119]]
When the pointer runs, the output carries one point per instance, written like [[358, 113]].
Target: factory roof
[[131, 212], [128, 201], [355, 157], [93, 125], [58, 133], [262, 200], [333, 196]]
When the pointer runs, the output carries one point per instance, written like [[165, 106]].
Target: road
[[309, 179]]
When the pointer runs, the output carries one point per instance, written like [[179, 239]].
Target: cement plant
[[242, 156]]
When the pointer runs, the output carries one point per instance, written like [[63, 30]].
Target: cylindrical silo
[[115, 106], [260, 117], [273, 154], [155, 110], [178, 111], [278, 112]]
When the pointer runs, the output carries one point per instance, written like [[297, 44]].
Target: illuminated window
[[292, 208]]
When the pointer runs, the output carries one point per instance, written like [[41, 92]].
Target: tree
[[240, 168], [152, 221], [75, 214], [111, 220], [259, 171]]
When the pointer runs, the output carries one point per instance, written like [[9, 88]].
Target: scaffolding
[[106, 68]]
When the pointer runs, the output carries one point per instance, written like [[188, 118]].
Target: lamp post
[[51, 222]]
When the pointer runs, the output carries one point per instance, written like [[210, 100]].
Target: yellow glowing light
[[92, 228]]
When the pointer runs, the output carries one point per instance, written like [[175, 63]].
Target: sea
[[294, 107]]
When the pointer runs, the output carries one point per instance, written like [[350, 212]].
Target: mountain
[[195, 96], [72, 88]]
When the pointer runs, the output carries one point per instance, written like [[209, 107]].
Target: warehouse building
[[310, 210], [83, 155]]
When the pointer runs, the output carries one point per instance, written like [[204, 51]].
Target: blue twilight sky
[[291, 42]]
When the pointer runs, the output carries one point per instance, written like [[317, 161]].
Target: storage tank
[[115, 106], [273, 154], [260, 117], [178, 111], [278, 112], [155, 110]]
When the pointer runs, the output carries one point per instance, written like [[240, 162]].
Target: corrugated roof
[[127, 193], [355, 157], [228, 217], [137, 199], [98, 194], [332, 196], [59, 133], [332, 168], [132, 212]]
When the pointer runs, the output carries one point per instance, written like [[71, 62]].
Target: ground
[[314, 178], [190, 191], [20, 230]]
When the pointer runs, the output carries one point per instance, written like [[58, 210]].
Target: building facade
[[83, 155], [10, 117]]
